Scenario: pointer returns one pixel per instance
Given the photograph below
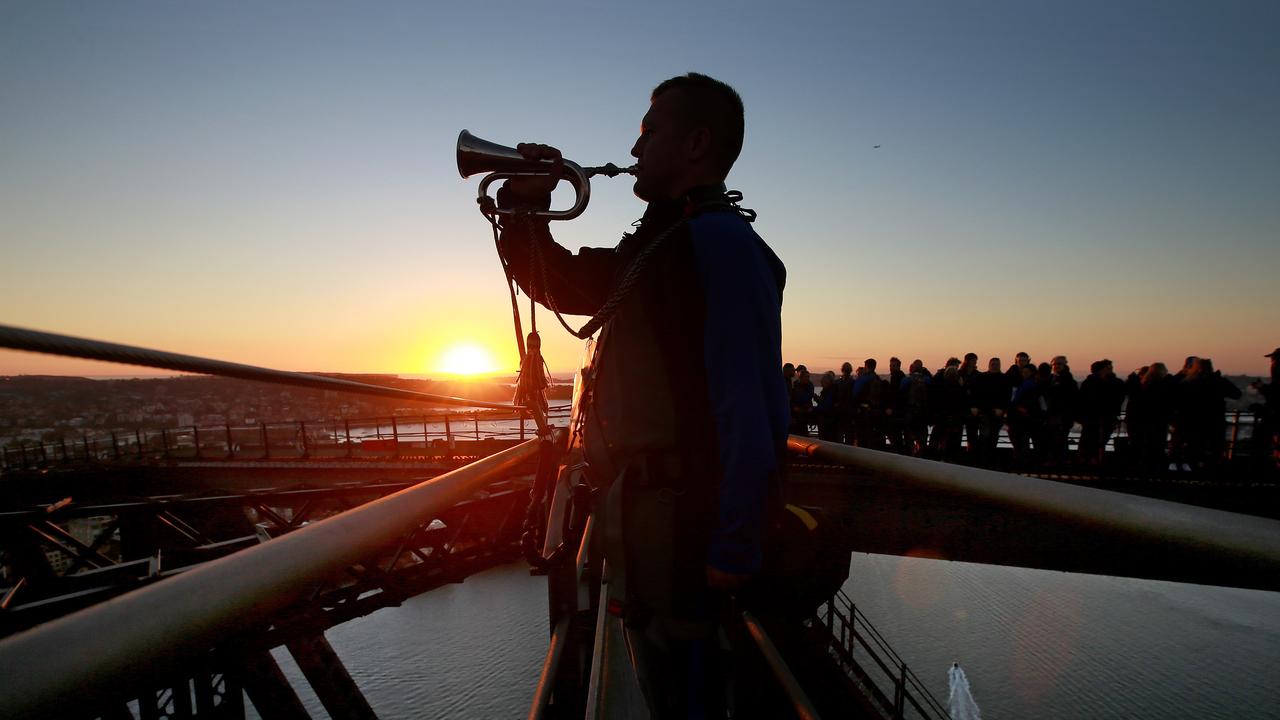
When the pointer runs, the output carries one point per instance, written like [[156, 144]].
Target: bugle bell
[[477, 155]]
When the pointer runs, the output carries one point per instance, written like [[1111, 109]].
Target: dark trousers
[[989, 437], [680, 667], [1149, 442], [1057, 429], [972, 429], [917, 435], [1022, 430], [1095, 433], [1263, 444], [869, 428], [894, 431], [655, 547]]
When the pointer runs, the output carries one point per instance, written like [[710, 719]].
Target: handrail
[[121, 643], [560, 636], [795, 693], [1219, 547], [16, 338], [546, 679]]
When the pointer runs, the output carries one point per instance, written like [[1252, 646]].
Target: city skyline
[[276, 185]]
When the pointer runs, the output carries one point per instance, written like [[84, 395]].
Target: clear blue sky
[[274, 183]]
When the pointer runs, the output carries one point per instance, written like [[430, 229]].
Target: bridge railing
[[393, 435], [113, 647], [386, 436], [1239, 426]]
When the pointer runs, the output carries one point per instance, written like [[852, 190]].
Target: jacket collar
[[687, 205]]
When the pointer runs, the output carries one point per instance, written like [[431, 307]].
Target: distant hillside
[[29, 402]]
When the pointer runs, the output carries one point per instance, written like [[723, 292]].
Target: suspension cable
[[42, 342]]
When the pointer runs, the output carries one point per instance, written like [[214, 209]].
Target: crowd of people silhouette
[[1172, 421]]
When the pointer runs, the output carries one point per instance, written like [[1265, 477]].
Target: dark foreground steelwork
[[910, 506], [93, 656]]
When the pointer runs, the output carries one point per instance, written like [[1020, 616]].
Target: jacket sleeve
[[742, 349], [578, 284]]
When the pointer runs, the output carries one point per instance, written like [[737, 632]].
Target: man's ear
[[698, 144]]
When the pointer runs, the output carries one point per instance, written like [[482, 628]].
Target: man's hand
[[721, 580], [537, 188]]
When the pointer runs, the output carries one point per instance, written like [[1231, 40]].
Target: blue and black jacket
[[687, 367]]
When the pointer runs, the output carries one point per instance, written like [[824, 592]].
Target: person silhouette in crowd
[[1044, 381], [1059, 416], [891, 401], [825, 414], [913, 395], [1024, 415], [991, 396], [952, 413], [1180, 429], [972, 420], [1265, 446], [1203, 395], [939, 396], [867, 401], [1101, 396], [802, 395], [1148, 415], [845, 409], [789, 376]]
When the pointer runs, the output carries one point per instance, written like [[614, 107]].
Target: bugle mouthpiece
[[609, 170]]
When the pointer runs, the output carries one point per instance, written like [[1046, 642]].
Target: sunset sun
[[467, 359]]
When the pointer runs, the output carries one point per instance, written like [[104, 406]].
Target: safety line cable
[[42, 342]]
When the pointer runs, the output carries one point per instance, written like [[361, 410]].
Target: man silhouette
[[686, 426]]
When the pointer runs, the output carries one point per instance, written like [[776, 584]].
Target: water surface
[[1033, 644]]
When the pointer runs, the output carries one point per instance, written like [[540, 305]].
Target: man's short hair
[[707, 102]]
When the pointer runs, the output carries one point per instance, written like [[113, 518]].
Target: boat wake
[[961, 704]]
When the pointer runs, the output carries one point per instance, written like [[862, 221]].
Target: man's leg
[[678, 666]]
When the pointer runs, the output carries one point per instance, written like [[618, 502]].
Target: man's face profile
[[660, 150]]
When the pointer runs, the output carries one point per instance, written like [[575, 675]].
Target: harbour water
[[1033, 644]]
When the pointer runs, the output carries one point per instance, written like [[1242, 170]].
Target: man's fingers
[[537, 151]]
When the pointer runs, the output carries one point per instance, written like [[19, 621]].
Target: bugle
[[477, 155]]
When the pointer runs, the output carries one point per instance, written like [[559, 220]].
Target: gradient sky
[[274, 183]]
